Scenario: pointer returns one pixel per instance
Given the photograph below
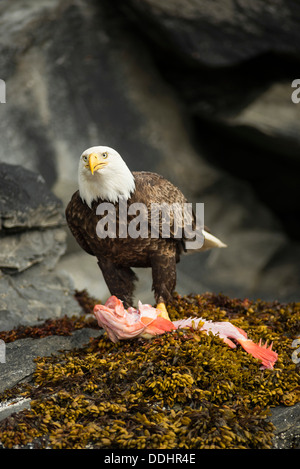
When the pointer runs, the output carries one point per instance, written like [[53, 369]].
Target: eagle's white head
[[102, 173]]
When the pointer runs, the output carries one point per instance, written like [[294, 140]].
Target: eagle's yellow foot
[[164, 313]]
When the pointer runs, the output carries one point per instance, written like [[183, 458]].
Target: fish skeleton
[[146, 322]]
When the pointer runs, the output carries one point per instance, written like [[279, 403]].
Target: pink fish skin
[[227, 331], [120, 323], [145, 322]]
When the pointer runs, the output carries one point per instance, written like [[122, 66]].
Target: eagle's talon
[[163, 311]]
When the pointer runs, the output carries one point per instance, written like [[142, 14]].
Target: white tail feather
[[210, 241]]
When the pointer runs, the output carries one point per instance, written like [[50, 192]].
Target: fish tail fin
[[264, 353]]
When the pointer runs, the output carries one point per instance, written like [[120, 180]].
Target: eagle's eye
[[105, 154], [85, 158]]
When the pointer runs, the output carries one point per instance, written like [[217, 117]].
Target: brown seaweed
[[180, 390]]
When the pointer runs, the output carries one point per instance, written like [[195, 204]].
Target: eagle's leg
[[164, 281], [119, 280]]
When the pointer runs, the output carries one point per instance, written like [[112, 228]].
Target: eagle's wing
[[76, 216], [154, 191]]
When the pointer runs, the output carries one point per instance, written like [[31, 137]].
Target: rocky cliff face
[[197, 91], [32, 240]]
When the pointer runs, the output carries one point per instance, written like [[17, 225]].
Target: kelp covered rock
[[180, 390]]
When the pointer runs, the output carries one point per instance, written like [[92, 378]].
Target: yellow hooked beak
[[96, 162]]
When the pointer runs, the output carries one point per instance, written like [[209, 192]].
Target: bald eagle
[[104, 178]]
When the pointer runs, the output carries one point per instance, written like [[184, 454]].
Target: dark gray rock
[[19, 365], [271, 113], [32, 240], [287, 423], [263, 132], [55, 111], [218, 33], [20, 354], [20, 251], [10, 407], [233, 64], [25, 200], [35, 295]]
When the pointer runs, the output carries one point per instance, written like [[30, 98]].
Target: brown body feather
[[116, 256]]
